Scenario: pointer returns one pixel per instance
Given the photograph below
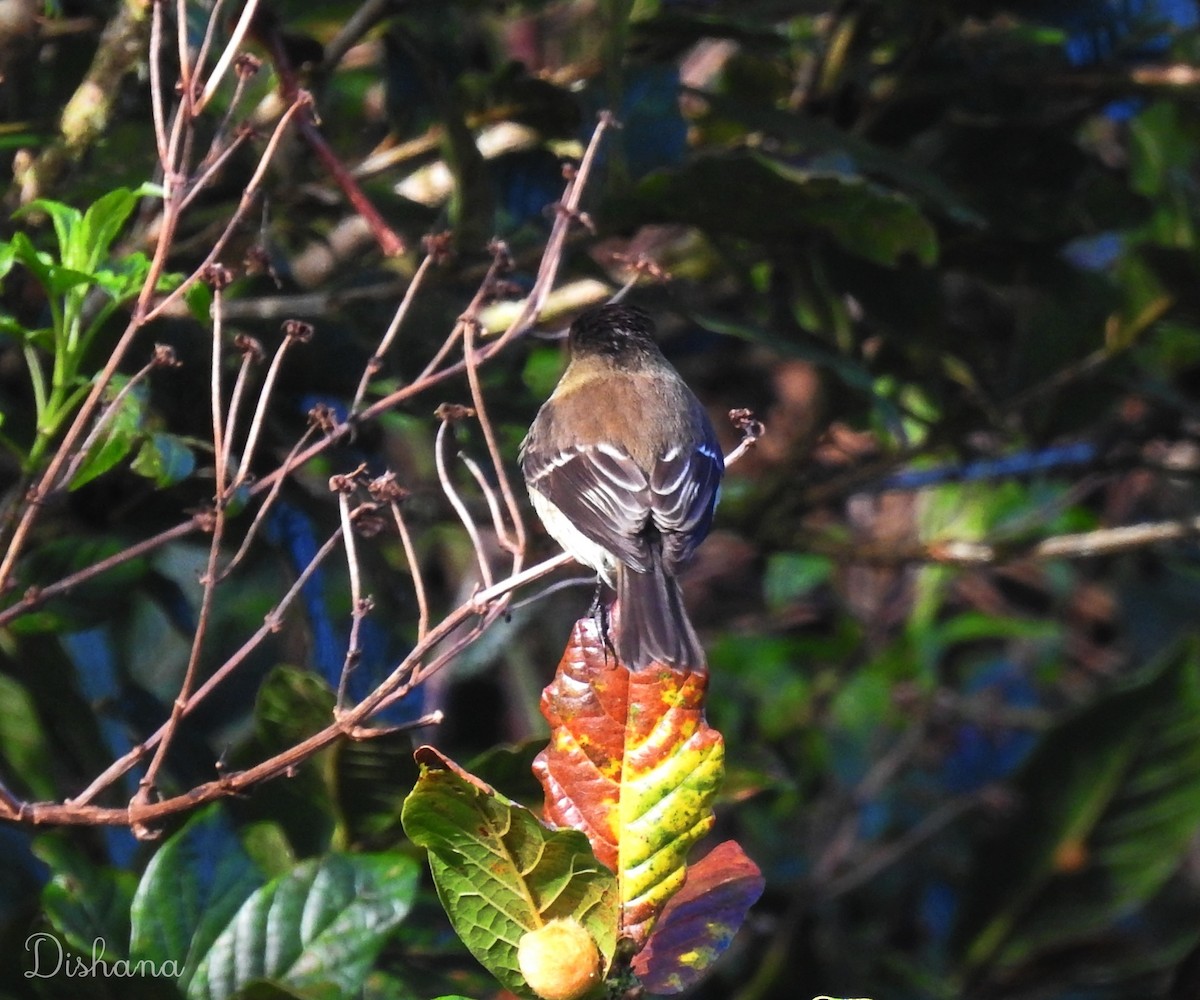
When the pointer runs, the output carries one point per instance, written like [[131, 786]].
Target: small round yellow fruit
[[559, 961]]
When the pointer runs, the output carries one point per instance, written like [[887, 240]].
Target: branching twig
[[271, 623], [163, 356], [294, 331]]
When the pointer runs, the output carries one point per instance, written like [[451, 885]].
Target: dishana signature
[[49, 958]]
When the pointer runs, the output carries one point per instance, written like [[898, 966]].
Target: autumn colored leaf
[[632, 763], [500, 873], [700, 921]]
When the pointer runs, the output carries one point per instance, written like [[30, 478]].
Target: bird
[[624, 469]]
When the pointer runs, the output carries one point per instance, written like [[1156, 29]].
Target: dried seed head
[[298, 330]]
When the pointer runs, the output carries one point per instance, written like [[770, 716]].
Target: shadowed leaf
[[192, 888], [1111, 799], [777, 201], [699, 922], [318, 928]]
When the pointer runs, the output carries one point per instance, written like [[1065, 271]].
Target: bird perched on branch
[[623, 468]]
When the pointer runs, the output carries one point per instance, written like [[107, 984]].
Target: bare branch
[[271, 623]]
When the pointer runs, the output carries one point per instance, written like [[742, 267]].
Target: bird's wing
[[684, 487], [601, 491]]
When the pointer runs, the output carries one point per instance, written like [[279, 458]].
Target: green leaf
[[23, 745], [811, 133], [370, 779], [91, 914], [102, 223], [164, 459], [1111, 800], [125, 279], [776, 201], [199, 299], [66, 221], [120, 433], [500, 873], [317, 929], [56, 278], [191, 890], [792, 575], [292, 705]]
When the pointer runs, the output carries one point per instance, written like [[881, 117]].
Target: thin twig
[[227, 56], [414, 571], [365, 16], [456, 501], [489, 496], [216, 404], [357, 603], [212, 168], [554, 588], [294, 331], [37, 595], [187, 76], [210, 31], [517, 545], [385, 343], [555, 243], [251, 354], [156, 86], [890, 854], [267, 504], [105, 418]]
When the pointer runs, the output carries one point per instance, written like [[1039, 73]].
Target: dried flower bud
[[249, 346], [323, 417], [217, 276], [452, 412], [298, 330], [247, 65], [438, 245], [385, 488], [559, 961]]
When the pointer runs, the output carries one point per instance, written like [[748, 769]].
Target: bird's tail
[[653, 626]]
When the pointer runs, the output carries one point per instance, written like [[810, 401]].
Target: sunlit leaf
[[633, 764], [101, 224], [500, 873]]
